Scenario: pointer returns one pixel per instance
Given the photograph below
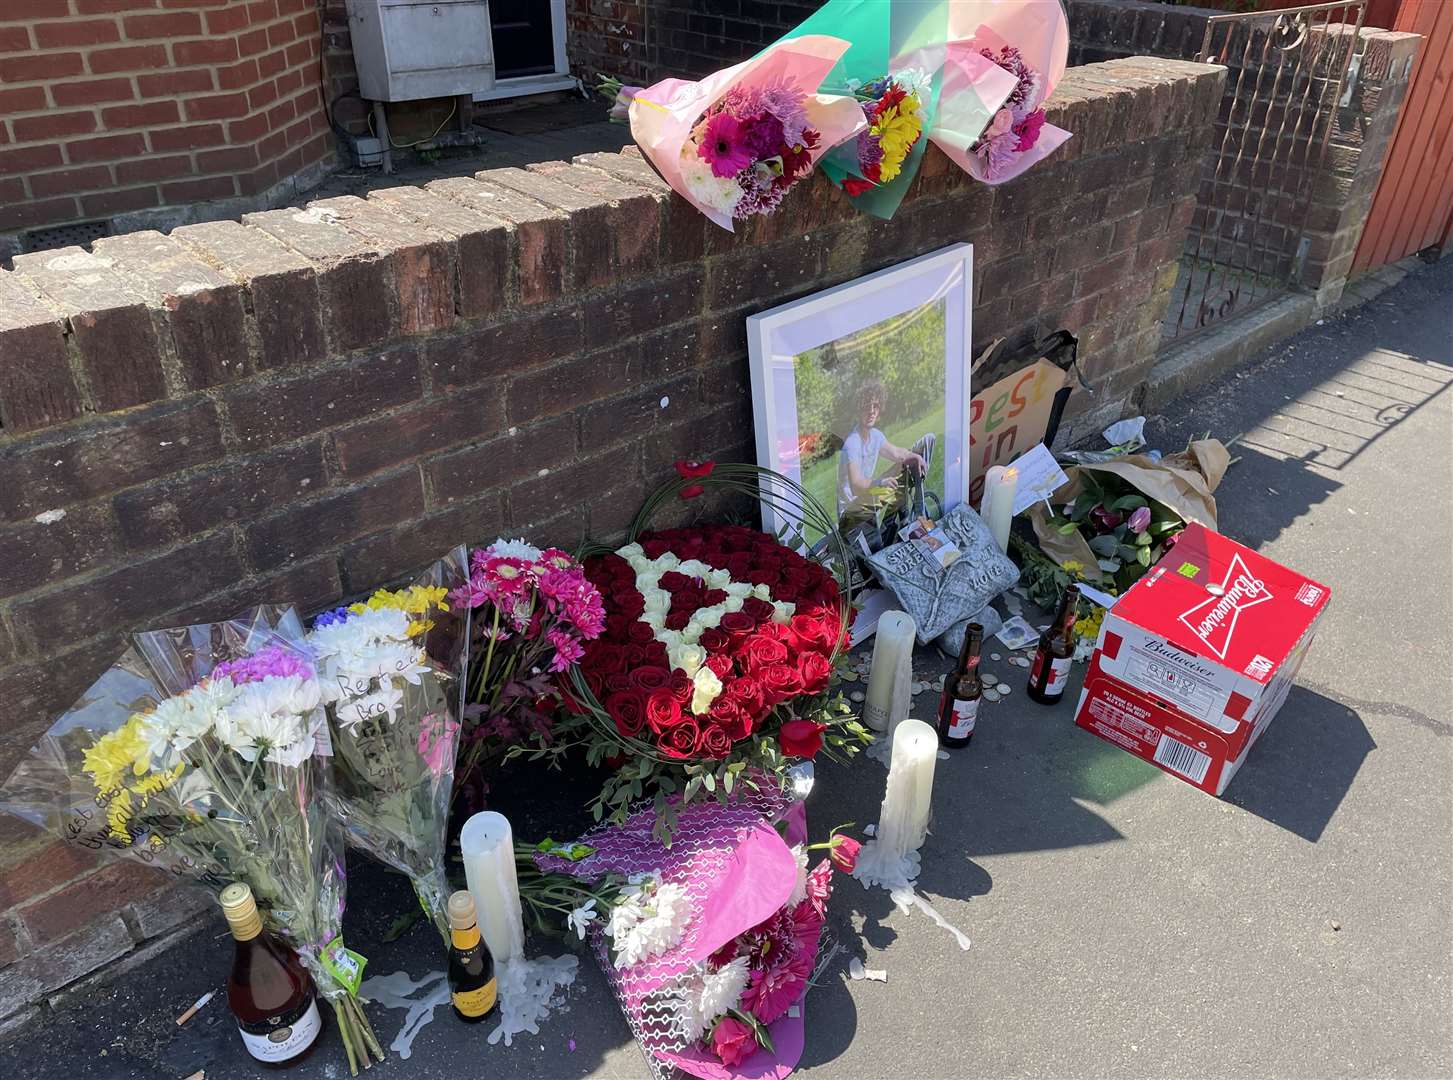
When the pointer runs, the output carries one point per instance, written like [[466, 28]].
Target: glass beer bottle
[[958, 709], [1050, 673]]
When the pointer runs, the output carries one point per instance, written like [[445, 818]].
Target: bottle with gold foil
[[269, 992], [471, 967]]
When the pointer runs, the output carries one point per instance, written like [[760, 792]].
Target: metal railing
[[1287, 71]]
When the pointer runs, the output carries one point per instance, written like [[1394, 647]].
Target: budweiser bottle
[[958, 709], [1051, 670]]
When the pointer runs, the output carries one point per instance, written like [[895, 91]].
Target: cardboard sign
[[1008, 418], [1196, 658]]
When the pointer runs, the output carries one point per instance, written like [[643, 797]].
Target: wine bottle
[[1051, 670], [958, 709], [269, 992], [471, 967]]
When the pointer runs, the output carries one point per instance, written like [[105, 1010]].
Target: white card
[[1095, 596], [1039, 476]]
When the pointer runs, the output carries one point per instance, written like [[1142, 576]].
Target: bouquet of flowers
[[531, 614], [389, 671], [734, 143], [1029, 43], [895, 109], [716, 661], [200, 753]]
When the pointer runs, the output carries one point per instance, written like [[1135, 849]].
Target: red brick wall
[[115, 106], [310, 403]]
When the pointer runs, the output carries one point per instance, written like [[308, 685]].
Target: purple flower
[[328, 618], [723, 145], [271, 661], [1139, 520]]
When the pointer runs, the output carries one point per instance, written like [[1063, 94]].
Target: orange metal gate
[[1413, 207]]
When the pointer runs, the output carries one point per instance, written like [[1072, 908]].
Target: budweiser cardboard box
[[1195, 659]]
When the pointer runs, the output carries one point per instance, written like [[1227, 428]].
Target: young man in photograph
[[857, 470]]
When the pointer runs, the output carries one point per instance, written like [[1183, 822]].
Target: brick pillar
[[1344, 187]]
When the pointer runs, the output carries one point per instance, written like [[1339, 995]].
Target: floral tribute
[[389, 670], [1015, 128], [532, 613], [736, 142], [893, 106], [199, 753]]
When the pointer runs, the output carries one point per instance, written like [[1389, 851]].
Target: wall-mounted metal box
[[411, 49]]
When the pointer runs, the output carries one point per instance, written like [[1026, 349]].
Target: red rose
[[739, 565], [780, 682], [633, 654], [816, 633], [604, 658], [844, 853], [712, 597], [745, 691], [801, 738], [679, 743], [721, 666], [694, 470], [650, 678], [663, 711], [655, 547], [681, 687], [714, 640], [596, 681], [676, 619], [641, 633], [780, 632], [672, 580], [737, 624], [628, 709], [764, 575], [618, 681], [713, 742], [757, 609], [729, 717], [814, 670], [759, 651]]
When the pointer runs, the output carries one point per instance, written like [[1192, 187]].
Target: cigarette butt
[[196, 1005]]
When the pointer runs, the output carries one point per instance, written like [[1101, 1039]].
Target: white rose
[[630, 551], [732, 603], [639, 563], [708, 617], [656, 600], [687, 658], [738, 589], [670, 638], [705, 688], [667, 561], [718, 579], [782, 611], [761, 592], [694, 568]]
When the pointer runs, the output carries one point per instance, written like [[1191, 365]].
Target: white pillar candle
[[997, 505], [488, 847], [903, 819], [892, 654]]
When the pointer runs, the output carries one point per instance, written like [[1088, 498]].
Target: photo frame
[[860, 394]]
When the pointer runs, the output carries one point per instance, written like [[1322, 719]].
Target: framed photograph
[[861, 392]]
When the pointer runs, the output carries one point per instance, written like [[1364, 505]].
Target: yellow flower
[[415, 600], [1072, 566], [109, 757], [897, 129], [156, 782]]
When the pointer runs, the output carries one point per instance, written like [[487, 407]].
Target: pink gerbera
[[774, 989], [723, 145]]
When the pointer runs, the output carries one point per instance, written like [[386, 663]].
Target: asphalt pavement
[[1123, 923]]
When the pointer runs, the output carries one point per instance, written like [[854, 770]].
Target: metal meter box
[[411, 49]]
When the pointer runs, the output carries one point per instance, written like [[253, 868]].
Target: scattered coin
[[938, 682], [917, 688], [992, 695], [995, 656], [1336, 925], [1003, 689], [857, 695]]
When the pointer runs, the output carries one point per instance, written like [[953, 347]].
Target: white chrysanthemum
[[581, 918], [718, 192], [159, 727], [799, 887], [269, 714], [514, 549], [650, 917], [708, 995]]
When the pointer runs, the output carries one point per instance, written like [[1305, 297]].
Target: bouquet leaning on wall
[[391, 671], [716, 665], [202, 752]]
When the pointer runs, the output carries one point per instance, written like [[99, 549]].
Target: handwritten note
[[1039, 476]]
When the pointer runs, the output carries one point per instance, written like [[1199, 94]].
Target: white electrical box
[[411, 49]]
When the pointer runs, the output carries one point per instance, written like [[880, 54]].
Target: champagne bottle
[[1051, 671], [268, 991], [958, 709], [471, 967]]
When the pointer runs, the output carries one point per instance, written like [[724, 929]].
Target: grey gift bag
[[936, 596]]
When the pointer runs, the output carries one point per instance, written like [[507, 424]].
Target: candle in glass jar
[[903, 819], [488, 846], [892, 655], [997, 505]]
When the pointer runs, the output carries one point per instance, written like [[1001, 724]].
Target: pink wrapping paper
[[663, 115], [1037, 28]]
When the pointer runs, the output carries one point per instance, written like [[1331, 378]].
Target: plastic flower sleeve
[[1038, 32], [664, 116], [898, 47], [196, 753], [391, 670]]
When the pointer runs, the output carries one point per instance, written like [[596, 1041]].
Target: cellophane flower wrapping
[[735, 142], [739, 874], [201, 752], [391, 671], [894, 69], [1028, 41]]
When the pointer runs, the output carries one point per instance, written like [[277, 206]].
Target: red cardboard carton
[[1196, 658]]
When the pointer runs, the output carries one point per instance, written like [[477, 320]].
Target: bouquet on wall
[[716, 662], [531, 615], [895, 110], [389, 670], [1029, 43], [736, 142], [201, 752]]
